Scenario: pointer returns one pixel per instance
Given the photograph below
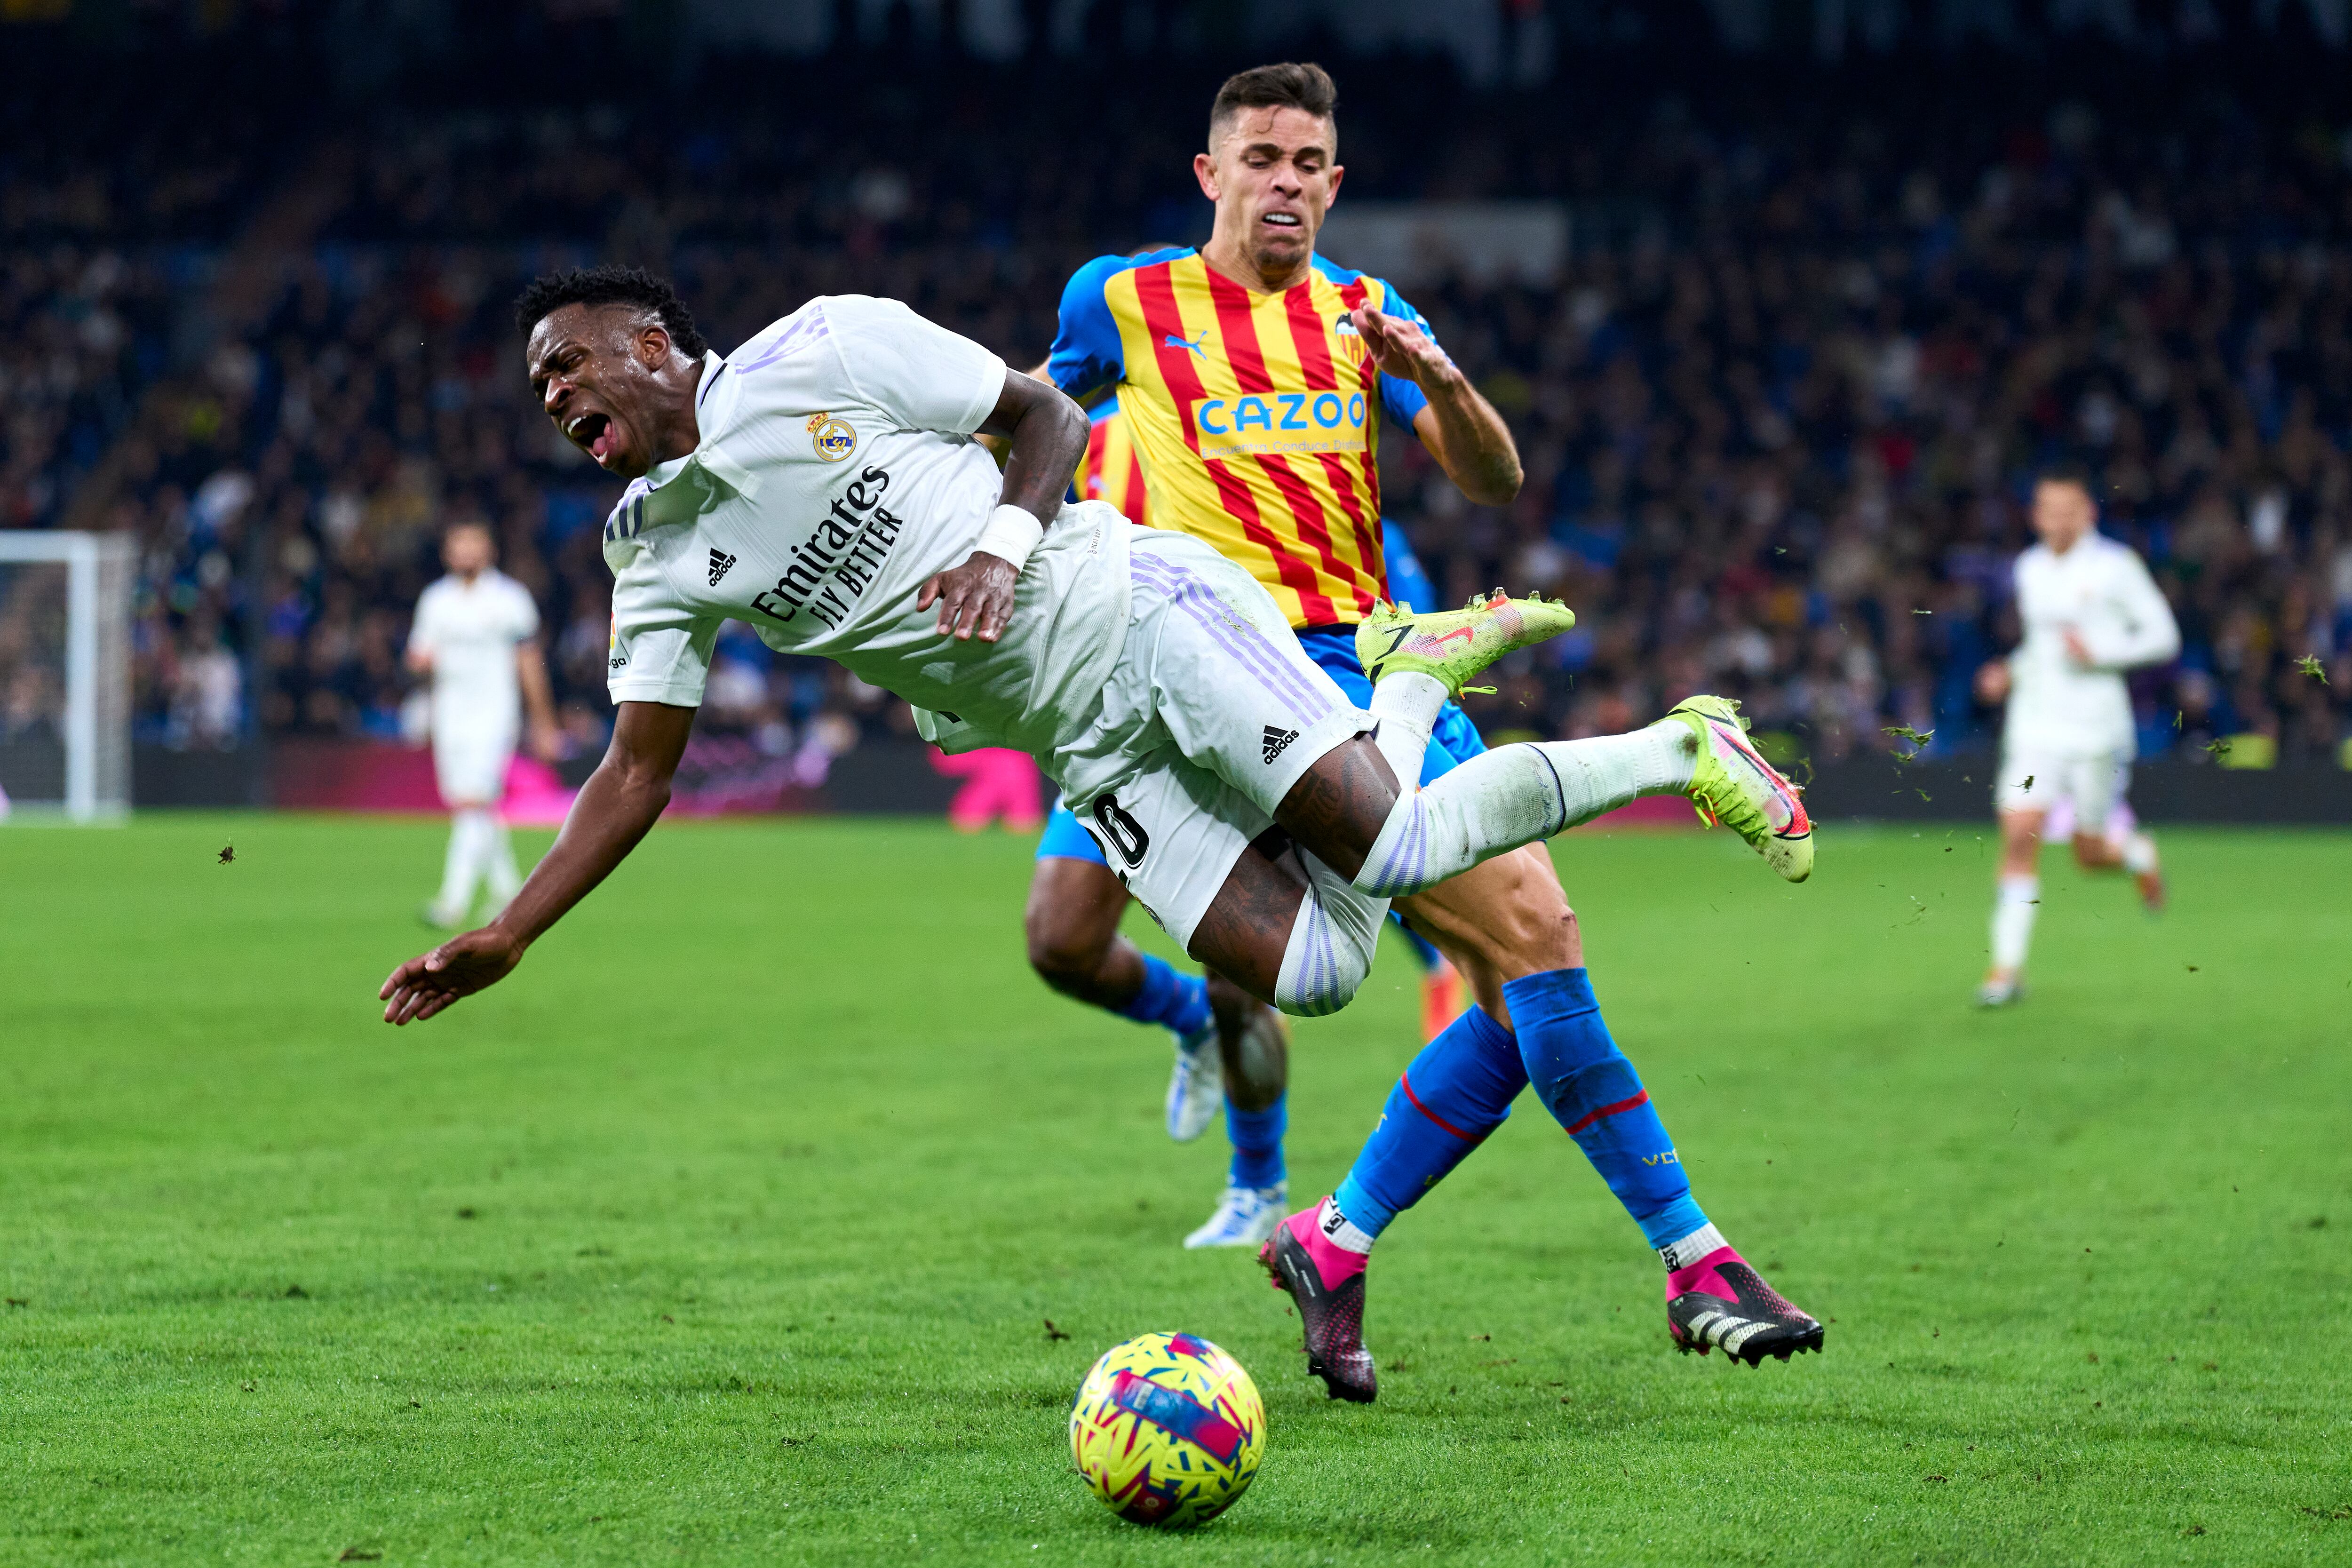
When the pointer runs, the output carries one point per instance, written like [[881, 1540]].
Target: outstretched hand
[[460, 967], [1399, 347], [976, 596]]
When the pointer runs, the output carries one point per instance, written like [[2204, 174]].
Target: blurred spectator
[[1778, 409]]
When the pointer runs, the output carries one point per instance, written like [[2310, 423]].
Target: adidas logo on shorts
[[719, 561], [1276, 743]]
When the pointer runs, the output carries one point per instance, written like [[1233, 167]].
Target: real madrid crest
[[833, 438]]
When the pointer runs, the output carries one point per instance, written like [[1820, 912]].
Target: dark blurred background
[[1786, 299]]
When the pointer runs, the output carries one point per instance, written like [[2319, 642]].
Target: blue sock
[[1179, 1001], [1593, 1090], [1458, 1090], [1257, 1143]]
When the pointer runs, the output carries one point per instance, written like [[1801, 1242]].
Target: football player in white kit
[[476, 636], [2089, 611]]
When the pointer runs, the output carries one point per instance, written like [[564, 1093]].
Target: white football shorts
[[470, 765], [1211, 714], [2032, 779]]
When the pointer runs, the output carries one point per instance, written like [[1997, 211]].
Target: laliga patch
[[833, 438]]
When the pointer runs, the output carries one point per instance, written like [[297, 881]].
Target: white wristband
[[1011, 534]]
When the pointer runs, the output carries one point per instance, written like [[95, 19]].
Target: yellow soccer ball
[[1167, 1429]]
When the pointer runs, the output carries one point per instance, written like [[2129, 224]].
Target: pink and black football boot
[[1722, 1300], [1326, 1284]]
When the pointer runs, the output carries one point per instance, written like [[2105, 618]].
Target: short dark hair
[[609, 285], [1290, 85], [2068, 472]]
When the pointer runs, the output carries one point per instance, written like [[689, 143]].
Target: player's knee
[[1531, 932], [2091, 852], [1066, 954], [1330, 955], [1322, 988]]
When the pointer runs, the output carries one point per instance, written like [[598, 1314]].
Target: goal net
[[64, 673]]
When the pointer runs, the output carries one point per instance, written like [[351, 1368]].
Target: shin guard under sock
[[1406, 704], [1458, 1090], [1177, 1000], [1257, 1143], [468, 858], [1517, 794], [1593, 1091], [2015, 903]]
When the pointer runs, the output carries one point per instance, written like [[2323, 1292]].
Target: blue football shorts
[[1453, 740]]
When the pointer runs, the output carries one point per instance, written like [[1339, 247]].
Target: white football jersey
[[2100, 590], [836, 474], [471, 629]]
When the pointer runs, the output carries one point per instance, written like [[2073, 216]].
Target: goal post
[[65, 671]]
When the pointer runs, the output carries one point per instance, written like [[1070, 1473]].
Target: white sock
[[1406, 704], [1698, 1244], [2139, 853], [2012, 921], [1517, 794], [461, 868], [1339, 1230], [505, 881]]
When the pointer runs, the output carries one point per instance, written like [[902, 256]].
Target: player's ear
[[653, 345], [1204, 169]]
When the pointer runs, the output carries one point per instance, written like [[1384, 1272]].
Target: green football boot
[[1454, 646], [1734, 785]]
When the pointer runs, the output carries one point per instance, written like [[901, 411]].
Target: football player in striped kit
[[1255, 377]]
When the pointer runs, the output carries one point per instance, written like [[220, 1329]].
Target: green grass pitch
[[727, 1231]]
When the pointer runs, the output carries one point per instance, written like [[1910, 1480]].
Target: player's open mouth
[[1281, 220], [593, 434]]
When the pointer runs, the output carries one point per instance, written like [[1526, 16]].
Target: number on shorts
[[1126, 833]]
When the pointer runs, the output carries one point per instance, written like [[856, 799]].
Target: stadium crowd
[[1780, 410]]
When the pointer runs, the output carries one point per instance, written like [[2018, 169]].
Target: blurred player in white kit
[[476, 636], [2088, 611]]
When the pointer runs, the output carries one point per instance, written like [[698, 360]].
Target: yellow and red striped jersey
[[1111, 470], [1255, 417]]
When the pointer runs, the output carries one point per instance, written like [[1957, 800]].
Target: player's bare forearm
[[1467, 436], [617, 807], [1460, 427]]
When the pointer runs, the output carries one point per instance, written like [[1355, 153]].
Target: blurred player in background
[[476, 634], [2088, 611], [1254, 377]]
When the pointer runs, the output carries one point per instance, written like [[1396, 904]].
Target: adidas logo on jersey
[[1276, 743], [719, 561]]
